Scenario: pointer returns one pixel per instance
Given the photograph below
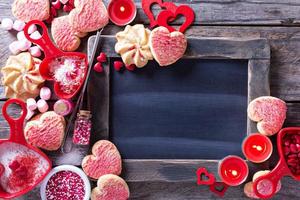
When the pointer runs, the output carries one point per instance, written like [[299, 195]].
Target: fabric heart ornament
[[45, 131], [105, 159], [88, 15], [204, 178], [27, 10], [147, 4], [219, 188], [110, 187], [269, 113], [167, 47], [167, 16]]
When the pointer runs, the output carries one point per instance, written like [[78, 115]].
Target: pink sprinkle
[[65, 185]]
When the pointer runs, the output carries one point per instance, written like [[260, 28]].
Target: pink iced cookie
[[88, 15], [106, 159], [167, 47], [110, 187], [45, 131], [64, 35], [269, 113], [27, 10]]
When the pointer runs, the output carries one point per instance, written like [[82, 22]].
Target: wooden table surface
[[276, 20]]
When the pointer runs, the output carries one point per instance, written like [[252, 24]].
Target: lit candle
[[257, 148], [233, 170], [122, 12]]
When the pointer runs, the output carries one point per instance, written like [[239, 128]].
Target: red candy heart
[[219, 188], [167, 16], [203, 173], [56, 4], [102, 57], [118, 65], [146, 5], [98, 67], [130, 67]]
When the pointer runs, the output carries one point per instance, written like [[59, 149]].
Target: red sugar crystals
[[291, 150], [65, 185]]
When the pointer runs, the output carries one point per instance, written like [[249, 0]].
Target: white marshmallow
[[19, 25], [24, 45], [14, 47], [32, 28], [31, 104], [7, 24], [29, 115], [45, 93], [36, 35], [42, 105], [21, 36], [35, 51]]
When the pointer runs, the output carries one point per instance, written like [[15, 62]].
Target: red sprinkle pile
[[291, 149], [65, 185]]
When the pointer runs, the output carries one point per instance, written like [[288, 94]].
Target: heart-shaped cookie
[[27, 10], [88, 15], [219, 188], [105, 159], [147, 4], [204, 178], [167, 16], [64, 36], [269, 113], [45, 131], [110, 187], [167, 47]]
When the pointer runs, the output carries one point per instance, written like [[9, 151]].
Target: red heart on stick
[[219, 188], [203, 173], [146, 5], [167, 16]]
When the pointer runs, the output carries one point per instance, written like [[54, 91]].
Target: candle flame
[[258, 148], [234, 172], [122, 9]]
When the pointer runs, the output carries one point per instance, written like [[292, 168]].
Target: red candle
[[257, 148], [233, 170], [121, 12]]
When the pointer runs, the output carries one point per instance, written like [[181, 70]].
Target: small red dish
[[52, 56], [17, 139]]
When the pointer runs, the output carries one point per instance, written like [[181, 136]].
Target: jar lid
[[85, 113]]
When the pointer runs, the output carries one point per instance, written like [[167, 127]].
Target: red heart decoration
[[202, 172], [219, 188], [166, 16], [146, 5]]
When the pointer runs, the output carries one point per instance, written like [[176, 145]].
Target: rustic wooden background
[[277, 21]]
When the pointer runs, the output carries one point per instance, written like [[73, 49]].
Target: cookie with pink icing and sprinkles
[[105, 159], [110, 187], [269, 113]]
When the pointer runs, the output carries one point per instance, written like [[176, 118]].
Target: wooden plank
[[225, 12]]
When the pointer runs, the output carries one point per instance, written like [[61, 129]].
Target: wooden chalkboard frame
[[256, 51]]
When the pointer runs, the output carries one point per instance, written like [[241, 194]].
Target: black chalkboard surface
[[195, 109]]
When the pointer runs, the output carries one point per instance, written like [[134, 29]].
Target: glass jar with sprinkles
[[82, 129]]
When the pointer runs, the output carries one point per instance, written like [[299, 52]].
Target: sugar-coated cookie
[[45, 131], [105, 159], [110, 187], [269, 113], [167, 47], [27, 10]]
